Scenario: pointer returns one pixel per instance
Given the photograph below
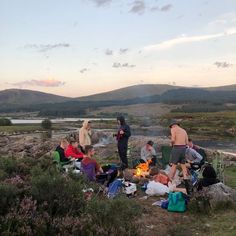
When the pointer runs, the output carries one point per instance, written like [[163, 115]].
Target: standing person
[[179, 142], [85, 134], [122, 137]]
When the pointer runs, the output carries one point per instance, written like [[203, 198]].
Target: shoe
[[188, 186]]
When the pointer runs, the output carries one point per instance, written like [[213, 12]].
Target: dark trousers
[[122, 150], [153, 163]]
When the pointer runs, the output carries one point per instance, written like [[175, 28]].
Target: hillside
[[28, 97], [130, 92], [145, 90], [231, 87]]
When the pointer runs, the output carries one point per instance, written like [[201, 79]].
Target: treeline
[[194, 99], [203, 107]]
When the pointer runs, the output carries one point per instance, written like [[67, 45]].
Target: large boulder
[[218, 193]]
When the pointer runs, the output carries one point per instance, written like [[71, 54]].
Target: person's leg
[[174, 159], [185, 171], [172, 171], [154, 161], [123, 147]]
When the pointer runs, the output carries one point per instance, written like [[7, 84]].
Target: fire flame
[[138, 172]]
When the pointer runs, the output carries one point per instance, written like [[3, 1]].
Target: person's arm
[[98, 168], [186, 139], [143, 154], [127, 132], [81, 137], [70, 153], [153, 152], [173, 137]]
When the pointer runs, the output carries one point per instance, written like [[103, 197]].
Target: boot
[[188, 186]]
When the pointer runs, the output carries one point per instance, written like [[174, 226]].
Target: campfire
[[142, 169]]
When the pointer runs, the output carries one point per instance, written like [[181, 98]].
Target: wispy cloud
[[122, 65], [108, 52], [188, 39], [223, 64], [123, 50], [46, 47], [101, 3], [138, 7], [166, 7], [225, 19], [39, 83], [83, 70]]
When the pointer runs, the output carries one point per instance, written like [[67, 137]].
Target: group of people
[[183, 153]]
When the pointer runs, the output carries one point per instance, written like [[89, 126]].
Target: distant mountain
[[15, 100], [231, 87], [28, 97], [146, 90], [136, 91]]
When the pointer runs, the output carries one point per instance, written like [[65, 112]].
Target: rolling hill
[[136, 91], [28, 97]]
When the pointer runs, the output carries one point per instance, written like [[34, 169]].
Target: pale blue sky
[[80, 47]]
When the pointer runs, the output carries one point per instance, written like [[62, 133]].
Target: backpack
[[176, 202], [114, 188]]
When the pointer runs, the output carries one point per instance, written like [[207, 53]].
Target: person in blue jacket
[[122, 137]]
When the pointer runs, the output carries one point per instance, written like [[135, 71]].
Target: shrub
[[8, 194], [5, 122], [46, 124], [8, 165], [111, 217], [61, 195]]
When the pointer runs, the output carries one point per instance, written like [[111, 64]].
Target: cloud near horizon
[[123, 50], [83, 70], [39, 83], [108, 52], [222, 64], [46, 47], [165, 45], [122, 65]]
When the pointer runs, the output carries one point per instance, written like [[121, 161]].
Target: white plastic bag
[[156, 188]]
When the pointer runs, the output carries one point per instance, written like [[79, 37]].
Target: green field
[[230, 176], [29, 128], [209, 125]]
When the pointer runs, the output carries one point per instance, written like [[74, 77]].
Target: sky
[[81, 47]]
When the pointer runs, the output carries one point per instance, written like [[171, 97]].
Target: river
[[58, 120]]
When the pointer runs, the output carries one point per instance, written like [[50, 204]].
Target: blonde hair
[[64, 141]]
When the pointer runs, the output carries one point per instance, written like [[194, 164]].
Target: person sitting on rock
[[194, 159], [89, 166], [198, 149], [93, 171], [148, 154], [209, 177], [73, 151]]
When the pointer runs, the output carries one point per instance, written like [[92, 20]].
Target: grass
[[213, 124], [25, 128], [230, 176]]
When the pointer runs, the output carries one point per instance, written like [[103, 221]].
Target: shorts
[[178, 155]]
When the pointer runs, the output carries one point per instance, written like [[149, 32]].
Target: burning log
[[142, 169]]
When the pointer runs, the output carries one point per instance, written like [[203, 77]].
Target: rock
[[218, 193]]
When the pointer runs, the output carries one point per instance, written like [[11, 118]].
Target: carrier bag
[[176, 202]]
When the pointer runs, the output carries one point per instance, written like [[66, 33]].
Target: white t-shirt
[[147, 154]]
